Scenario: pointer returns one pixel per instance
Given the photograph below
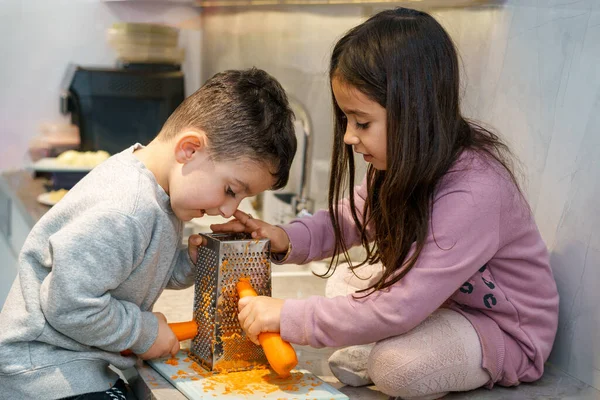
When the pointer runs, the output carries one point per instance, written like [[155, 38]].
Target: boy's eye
[[362, 126], [229, 192]]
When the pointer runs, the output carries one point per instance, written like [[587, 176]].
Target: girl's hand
[[257, 228], [259, 314], [194, 242]]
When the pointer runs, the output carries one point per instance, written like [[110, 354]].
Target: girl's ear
[[188, 144]]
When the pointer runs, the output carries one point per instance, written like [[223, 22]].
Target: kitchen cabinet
[[8, 257], [9, 244], [19, 210], [11, 241], [8, 268]]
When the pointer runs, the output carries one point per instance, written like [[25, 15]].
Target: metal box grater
[[221, 344]]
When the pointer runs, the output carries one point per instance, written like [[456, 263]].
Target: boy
[[94, 265]]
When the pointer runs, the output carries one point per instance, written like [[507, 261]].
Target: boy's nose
[[225, 213], [228, 209]]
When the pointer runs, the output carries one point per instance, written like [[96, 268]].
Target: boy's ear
[[188, 143]]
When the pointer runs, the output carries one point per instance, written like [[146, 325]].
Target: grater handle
[[280, 354]]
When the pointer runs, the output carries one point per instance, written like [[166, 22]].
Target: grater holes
[[221, 269], [204, 304]]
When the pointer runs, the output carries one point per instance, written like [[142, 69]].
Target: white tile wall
[[531, 70]]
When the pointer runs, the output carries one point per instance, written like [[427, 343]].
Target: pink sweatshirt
[[487, 261]]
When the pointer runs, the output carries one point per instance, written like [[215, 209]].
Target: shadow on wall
[[576, 271]]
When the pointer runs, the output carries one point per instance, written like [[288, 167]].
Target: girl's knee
[[401, 375], [389, 368], [440, 355]]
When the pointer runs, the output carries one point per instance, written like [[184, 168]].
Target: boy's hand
[[259, 229], [259, 314], [193, 242], [166, 342]]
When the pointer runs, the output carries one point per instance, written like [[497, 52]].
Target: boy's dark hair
[[405, 61], [244, 113]]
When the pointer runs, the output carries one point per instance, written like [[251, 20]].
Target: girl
[[466, 297]]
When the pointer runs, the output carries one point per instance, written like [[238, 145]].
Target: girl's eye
[[362, 126], [229, 192]]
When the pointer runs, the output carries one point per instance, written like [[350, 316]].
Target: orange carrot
[[280, 354], [183, 331], [244, 288]]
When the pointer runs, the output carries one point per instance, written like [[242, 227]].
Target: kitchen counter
[[19, 211]]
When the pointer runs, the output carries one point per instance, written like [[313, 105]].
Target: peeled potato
[[56, 195], [82, 159]]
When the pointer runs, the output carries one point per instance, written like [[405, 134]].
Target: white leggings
[[441, 355]]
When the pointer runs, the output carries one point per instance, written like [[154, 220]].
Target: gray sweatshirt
[[89, 273]]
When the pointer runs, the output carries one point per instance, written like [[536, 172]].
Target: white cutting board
[[302, 385]]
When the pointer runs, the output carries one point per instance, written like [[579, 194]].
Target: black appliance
[[115, 108]]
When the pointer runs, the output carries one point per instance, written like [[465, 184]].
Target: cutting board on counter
[[196, 383]]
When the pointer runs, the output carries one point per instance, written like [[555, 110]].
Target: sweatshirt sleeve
[[464, 235], [313, 237], [183, 273], [91, 257]]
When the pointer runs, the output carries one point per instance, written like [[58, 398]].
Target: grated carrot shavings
[[172, 361], [260, 379]]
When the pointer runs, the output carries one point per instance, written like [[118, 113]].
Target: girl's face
[[201, 186], [366, 123]]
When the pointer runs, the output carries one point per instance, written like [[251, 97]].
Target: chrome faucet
[[302, 205]]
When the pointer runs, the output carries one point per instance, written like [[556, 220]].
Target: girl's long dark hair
[[405, 61]]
